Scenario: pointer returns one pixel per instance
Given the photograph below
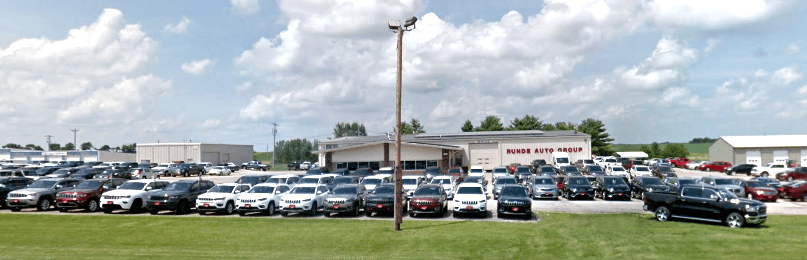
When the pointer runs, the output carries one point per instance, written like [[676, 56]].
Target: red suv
[[760, 191], [428, 198], [794, 192], [799, 173], [716, 166], [679, 162], [86, 194]]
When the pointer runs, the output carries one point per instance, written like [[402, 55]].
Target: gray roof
[[455, 136]]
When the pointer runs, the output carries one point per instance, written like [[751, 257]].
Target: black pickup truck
[[705, 203]]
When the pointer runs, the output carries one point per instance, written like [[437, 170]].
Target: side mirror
[[148, 188], [237, 191], [59, 187]]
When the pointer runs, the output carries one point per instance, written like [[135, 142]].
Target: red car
[[796, 191], [760, 191], [679, 162], [799, 173], [716, 166], [428, 198], [86, 194]]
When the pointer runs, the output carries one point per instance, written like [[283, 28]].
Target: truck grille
[[424, 202], [769, 192], [205, 199], [66, 196], [513, 203], [16, 195], [380, 201], [468, 202], [158, 197], [293, 201], [109, 197], [248, 201], [337, 201]]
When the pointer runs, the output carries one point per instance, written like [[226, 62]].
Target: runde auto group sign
[[545, 150]]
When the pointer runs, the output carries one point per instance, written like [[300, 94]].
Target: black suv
[[345, 198], [381, 199], [8, 184], [188, 169], [647, 184], [361, 173], [546, 171], [570, 171], [514, 200], [178, 196], [676, 183], [86, 173], [114, 173], [577, 187], [126, 166], [523, 173], [662, 172], [610, 187]]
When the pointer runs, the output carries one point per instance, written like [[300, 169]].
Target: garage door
[[753, 157], [486, 155], [780, 156]]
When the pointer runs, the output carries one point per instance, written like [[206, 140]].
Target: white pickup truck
[[770, 169]]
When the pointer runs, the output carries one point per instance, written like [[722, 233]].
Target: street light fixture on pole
[[395, 25]]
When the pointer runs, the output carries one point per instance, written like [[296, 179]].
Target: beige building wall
[[722, 151]]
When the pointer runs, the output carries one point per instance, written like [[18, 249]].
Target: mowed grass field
[[696, 151], [558, 235]]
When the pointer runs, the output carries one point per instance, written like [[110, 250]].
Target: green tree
[[491, 123], [55, 146], [646, 149], [565, 126], [600, 139], [105, 147], [298, 150], [705, 140], [130, 148], [467, 126], [347, 129], [13, 146], [86, 146], [675, 150], [412, 127], [33, 147], [529, 122], [69, 147], [656, 150]]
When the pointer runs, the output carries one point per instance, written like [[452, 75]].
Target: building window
[[341, 165], [331, 146], [375, 165]]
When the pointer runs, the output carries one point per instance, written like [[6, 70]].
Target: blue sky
[[223, 71]]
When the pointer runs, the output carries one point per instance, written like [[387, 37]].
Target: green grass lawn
[[558, 235]]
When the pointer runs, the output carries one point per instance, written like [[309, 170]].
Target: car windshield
[[617, 169], [477, 171], [514, 192], [362, 172], [727, 195], [470, 190], [222, 188], [594, 168], [410, 181], [610, 160], [219, 168], [756, 184], [642, 169], [432, 170], [544, 181], [499, 170], [502, 181], [385, 172], [89, 185], [262, 189], [428, 191], [578, 181], [309, 181], [164, 165], [178, 186], [454, 171], [665, 169], [651, 181], [132, 186], [725, 182], [344, 191], [42, 184], [62, 171], [276, 180], [441, 181], [687, 182], [313, 172], [303, 190], [83, 171], [523, 170], [547, 170], [384, 190], [371, 181], [343, 181], [473, 179], [562, 160], [249, 179], [615, 181]]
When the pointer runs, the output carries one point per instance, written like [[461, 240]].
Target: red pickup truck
[[679, 162]]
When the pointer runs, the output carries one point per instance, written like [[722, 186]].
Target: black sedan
[[514, 200], [741, 169]]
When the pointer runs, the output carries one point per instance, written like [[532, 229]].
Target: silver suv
[[41, 193]]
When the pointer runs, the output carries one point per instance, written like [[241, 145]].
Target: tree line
[[127, 148], [670, 150]]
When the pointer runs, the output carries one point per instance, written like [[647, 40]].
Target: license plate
[[379, 206], [291, 206], [246, 205], [547, 194], [335, 206], [109, 202], [207, 204], [515, 208], [15, 201], [156, 204], [620, 194], [469, 208], [423, 208], [584, 194]]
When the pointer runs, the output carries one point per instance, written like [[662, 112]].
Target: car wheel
[[326, 214], [43, 204], [242, 213], [137, 206], [764, 174], [107, 210], [183, 208], [662, 213], [356, 209], [284, 214], [735, 220], [92, 205], [790, 178], [733, 173], [367, 212], [202, 213], [803, 197], [229, 208], [154, 212], [313, 209], [270, 210], [15, 209]]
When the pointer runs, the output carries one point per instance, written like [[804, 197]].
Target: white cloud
[[180, 27], [716, 14], [787, 75], [792, 49], [246, 7], [211, 123], [196, 67], [122, 102]]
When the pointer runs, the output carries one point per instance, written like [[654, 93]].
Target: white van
[[560, 159]]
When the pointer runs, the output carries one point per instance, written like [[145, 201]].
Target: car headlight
[[751, 208], [305, 200], [574, 190], [2, 185], [611, 190], [262, 199], [649, 189], [174, 197], [457, 201], [127, 196], [483, 201]]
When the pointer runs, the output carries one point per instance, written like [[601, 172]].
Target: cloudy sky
[[223, 71]]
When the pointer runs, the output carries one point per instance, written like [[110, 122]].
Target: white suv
[[303, 198], [162, 168], [470, 198], [221, 198], [477, 170], [411, 183], [131, 195], [370, 182], [264, 198], [448, 183]]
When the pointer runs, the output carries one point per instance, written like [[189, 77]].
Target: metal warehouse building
[[488, 149], [193, 152], [760, 150], [23, 156]]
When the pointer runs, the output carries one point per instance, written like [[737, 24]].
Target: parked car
[[288, 180], [593, 169], [381, 199], [770, 169], [523, 173], [448, 184], [113, 173], [756, 190], [570, 171], [205, 167], [729, 184], [62, 173], [162, 168], [361, 173], [143, 172], [647, 184], [86, 173], [411, 183], [773, 183], [219, 170], [470, 198], [610, 187], [304, 199], [662, 172], [675, 183], [797, 190], [476, 170], [40, 194], [292, 166], [543, 187], [305, 165], [9, 184], [456, 172], [546, 171], [339, 180], [515, 200], [679, 162], [131, 196], [499, 183], [345, 198], [617, 171], [428, 198], [638, 171], [126, 166], [253, 179], [232, 166], [717, 166], [372, 181], [178, 196], [538, 163], [741, 169], [500, 171], [693, 165], [798, 173], [263, 198], [86, 194], [221, 198], [258, 166], [186, 169], [715, 205], [576, 187], [431, 172]]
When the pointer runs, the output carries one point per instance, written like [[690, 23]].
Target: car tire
[[733, 173], [790, 178], [662, 214], [356, 209], [764, 174], [411, 214], [183, 207], [92, 205], [284, 214], [229, 209], [107, 210], [313, 211], [242, 213], [804, 197], [270, 210], [455, 214], [367, 212], [735, 220], [326, 214], [154, 211], [528, 216], [15, 209], [43, 204], [201, 213], [62, 209]]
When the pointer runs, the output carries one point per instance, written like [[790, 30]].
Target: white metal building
[[22, 156], [488, 149], [193, 152], [760, 149]]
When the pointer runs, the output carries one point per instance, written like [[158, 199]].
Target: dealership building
[[489, 149], [25, 156], [193, 152], [760, 150]]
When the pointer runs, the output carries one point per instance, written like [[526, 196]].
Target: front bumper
[[515, 210], [210, 206], [617, 194], [764, 197], [21, 201], [580, 194], [253, 207], [470, 208], [380, 207], [753, 218], [72, 203], [295, 207], [425, 208], [339, 207], [544, 194], [162, 204], [116, 203]]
